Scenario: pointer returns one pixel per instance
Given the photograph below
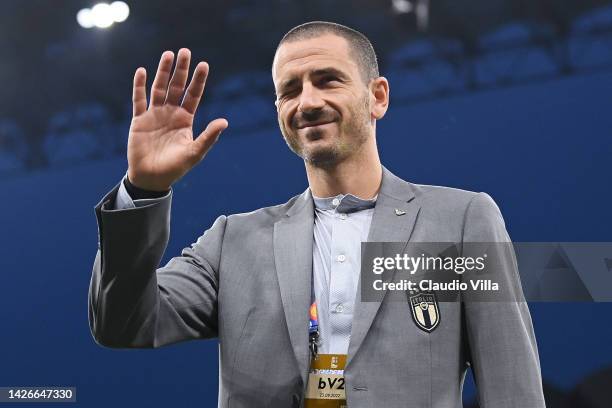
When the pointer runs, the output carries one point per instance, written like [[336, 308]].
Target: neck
[[359, 175]]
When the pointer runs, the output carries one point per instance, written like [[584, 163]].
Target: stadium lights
[[420, 8], [401, 6], [103, 15]]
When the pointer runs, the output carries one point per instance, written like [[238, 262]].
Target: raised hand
[[161, 146]]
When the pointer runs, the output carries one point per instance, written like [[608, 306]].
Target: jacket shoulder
[[469, 210], [456, 203], [444, 197]]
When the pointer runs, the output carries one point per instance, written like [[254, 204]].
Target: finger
[[179, 78], [160, 83], [139, 93], [196, 88], [208, 137]]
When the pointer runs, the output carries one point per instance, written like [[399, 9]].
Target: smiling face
[[322, 100]]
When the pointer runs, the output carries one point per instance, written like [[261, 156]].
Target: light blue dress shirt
[[341, 223]]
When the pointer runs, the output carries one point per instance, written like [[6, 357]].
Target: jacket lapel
[[393, 221], [293, 239]]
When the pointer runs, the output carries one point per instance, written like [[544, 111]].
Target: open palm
[[161, 146]]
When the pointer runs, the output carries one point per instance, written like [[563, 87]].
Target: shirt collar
[[343, 203]]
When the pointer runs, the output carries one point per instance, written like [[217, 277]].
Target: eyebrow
[[316, 73]]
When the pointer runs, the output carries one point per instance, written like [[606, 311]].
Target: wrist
[[137, 193], [148, 183]]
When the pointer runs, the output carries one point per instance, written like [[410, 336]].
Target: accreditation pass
[[326, 388]]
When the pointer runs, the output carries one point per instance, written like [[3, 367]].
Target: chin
[[323, 157]]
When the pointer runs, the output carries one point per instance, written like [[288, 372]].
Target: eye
[[284, 96], [288, 93], [330, 78]]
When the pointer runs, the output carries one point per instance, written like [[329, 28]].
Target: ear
[[379, 97]]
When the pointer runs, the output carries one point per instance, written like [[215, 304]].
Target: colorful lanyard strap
[[313, 325]]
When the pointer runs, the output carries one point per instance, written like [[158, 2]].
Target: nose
[[310, 98]]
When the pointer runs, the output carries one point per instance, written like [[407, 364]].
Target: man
[[251, 279]]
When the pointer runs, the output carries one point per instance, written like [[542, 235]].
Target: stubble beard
[[339, 149]]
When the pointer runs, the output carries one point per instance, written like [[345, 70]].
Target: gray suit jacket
[[246, 280]]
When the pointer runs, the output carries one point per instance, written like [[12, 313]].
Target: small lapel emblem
[[399, 212]]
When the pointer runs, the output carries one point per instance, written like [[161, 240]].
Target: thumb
[[209, 136]]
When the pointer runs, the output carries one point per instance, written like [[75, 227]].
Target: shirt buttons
[[335, 202], [341, 258], [339, 309], [343, 216]]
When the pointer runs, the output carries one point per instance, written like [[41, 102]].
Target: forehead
[[297, 57]]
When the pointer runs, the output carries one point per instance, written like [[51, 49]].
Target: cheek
[[283, 123], [284, 115], [344, 104]]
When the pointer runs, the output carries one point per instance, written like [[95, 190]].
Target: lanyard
[[313, 323]]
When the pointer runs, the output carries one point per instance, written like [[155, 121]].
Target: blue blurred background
[[510, 97]]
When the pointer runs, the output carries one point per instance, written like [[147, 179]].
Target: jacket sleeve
[[502, 345], [132, 302]]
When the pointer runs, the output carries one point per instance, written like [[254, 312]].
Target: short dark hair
[[360, 48]]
